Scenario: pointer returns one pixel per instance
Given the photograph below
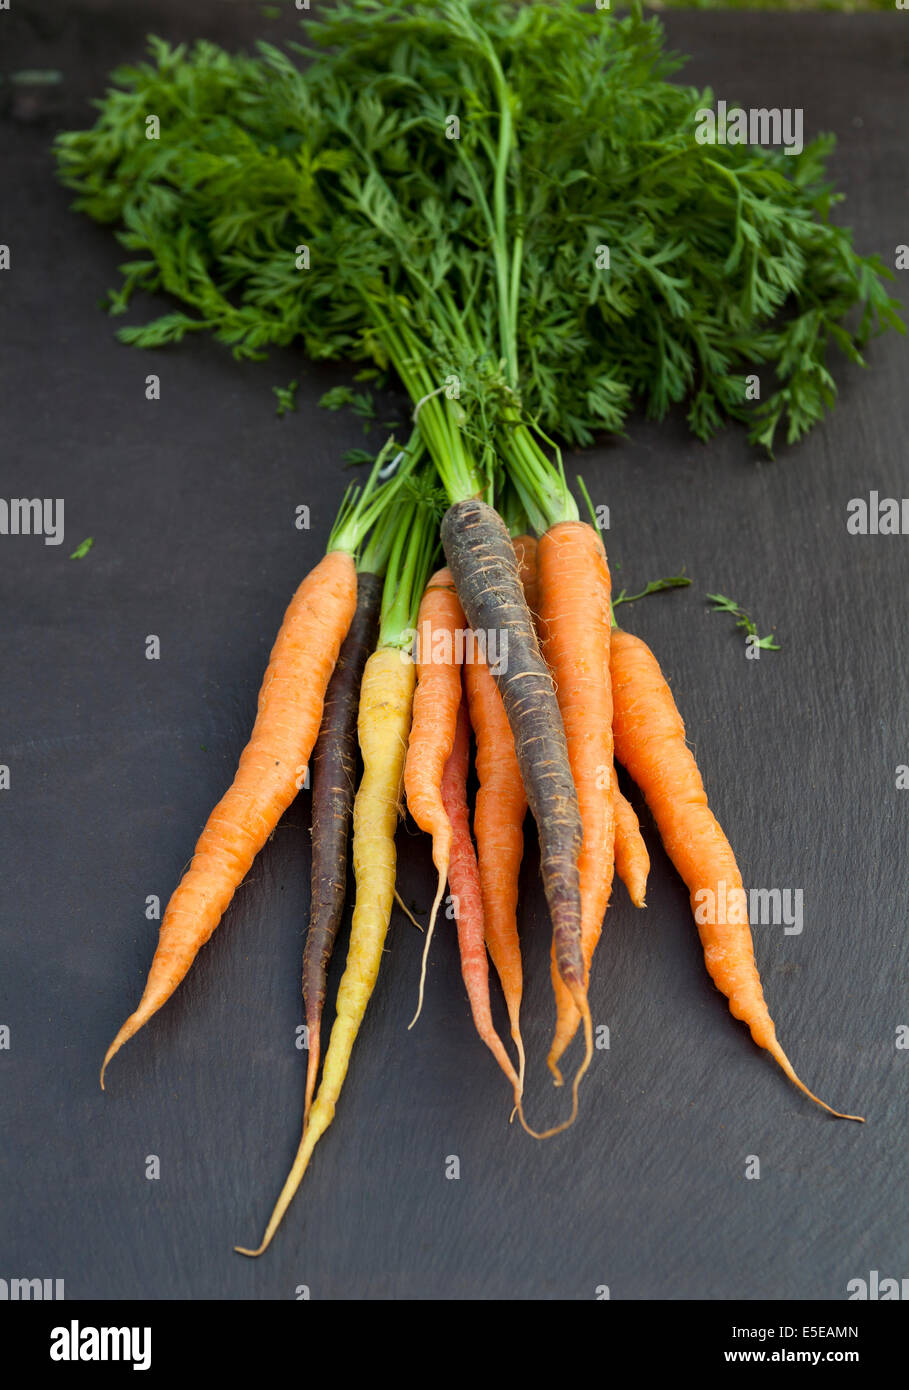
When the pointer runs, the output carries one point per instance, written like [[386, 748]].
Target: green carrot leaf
[[286, 396], [721, 604], [656, 586]]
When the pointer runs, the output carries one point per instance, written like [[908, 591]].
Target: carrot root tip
[[443, 875], [779, 1056], [406, 910]]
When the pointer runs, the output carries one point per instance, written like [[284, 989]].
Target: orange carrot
[[498, 826], [499, 812], [574, 594], [266, 781], [440, 629], [650, 744], [525, 549], [466, 892], [632, 861]]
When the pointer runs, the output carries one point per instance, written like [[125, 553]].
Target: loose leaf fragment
[[287, 397], [656, 586], [722, 604]]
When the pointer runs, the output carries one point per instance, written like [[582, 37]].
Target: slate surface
[[116, 760]]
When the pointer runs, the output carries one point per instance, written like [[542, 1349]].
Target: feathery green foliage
[[472, 265]]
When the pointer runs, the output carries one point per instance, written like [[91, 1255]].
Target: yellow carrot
[[383, 726]]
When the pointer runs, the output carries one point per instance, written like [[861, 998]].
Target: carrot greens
[[550, 234]]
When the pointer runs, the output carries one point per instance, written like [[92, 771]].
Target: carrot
[[632, 861], [525, 549], [383, 726], [266, 781], [333, 782], [334, 760], [482, 561], [650, 743], [467, 895], [498, 826], [289, 713], [440, 627], [574, 621], [384, 721], [499, 813]]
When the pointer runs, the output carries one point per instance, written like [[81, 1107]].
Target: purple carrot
[[333, 785], [482, 561]]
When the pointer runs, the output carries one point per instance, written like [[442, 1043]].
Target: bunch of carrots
[[381, 648], [462, 592]]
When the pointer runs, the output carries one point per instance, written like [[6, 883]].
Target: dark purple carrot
[[334, 766], [482, 561]]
